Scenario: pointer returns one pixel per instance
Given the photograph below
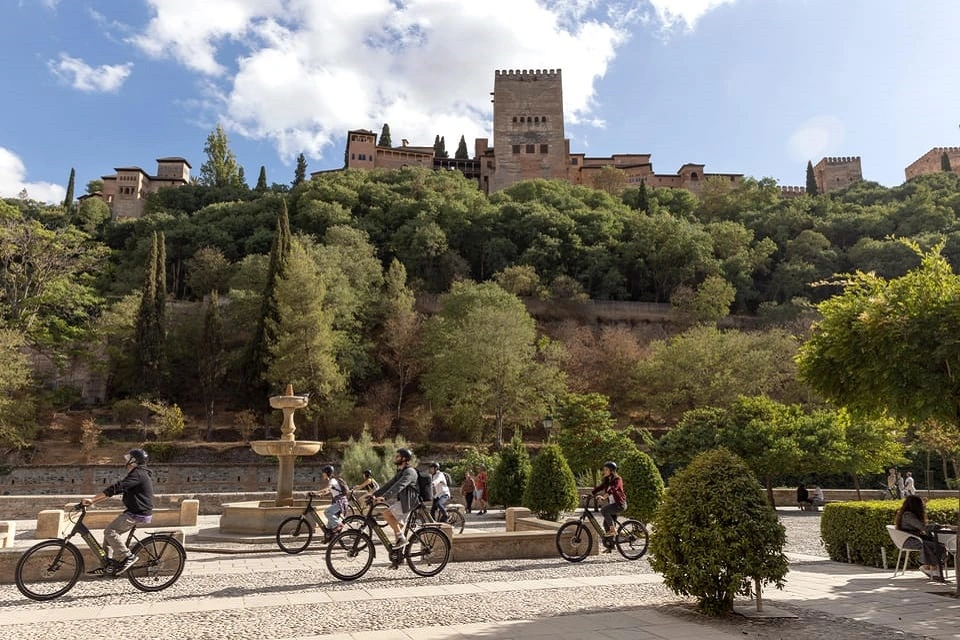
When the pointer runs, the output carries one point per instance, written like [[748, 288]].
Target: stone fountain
[[263, 516]]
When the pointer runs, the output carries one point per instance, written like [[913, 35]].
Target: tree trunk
[[399, 397], [770, 498], [856, 485], [209, 432]]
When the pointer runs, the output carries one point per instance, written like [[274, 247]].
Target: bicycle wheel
[[632, 539], [417, 519], [294, 534], [48, 570], [349, 554], [160, 560], [428, 551], [354, 522], [574, 541], [456, 521]]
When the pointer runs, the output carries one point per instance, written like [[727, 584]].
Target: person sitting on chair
[[803, 497], [912, 518]]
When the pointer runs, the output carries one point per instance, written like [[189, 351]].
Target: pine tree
[[944, 163], [68, 200], [385, 140], [210, 361], [301, 172], [259, 355], [262, 181], [811, 180], [462, 153]]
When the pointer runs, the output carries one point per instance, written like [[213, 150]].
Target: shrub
[[715, 533], [245, 423], [642, 484], [552, 488], [510, 478], [470, 459], [167, 418], [863, 526], [160, 451], [128, 411], [90, 435], [360, 454]]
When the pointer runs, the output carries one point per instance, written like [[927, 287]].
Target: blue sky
[[748, 86]]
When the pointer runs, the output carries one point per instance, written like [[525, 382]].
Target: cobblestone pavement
[[273, 595]]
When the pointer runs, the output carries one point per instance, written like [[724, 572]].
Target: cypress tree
[[385, 140], [436, 147], [443, 148], [258, 357], [462, 153], [811, 180], [210, 358], [643, 198], [160, 303], [300, 174], [148, 333], [944, 163], [68, 200], [262, 181], [242, 177]]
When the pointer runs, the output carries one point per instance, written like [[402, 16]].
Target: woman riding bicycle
[[612, 485]]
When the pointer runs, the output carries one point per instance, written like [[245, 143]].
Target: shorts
[[397, 510], [478, 494]]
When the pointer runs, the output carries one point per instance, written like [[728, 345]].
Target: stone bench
[[54, 523], [8, 531], [525, 537]]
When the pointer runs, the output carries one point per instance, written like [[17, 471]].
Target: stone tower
[[528, 137], [837, 173]]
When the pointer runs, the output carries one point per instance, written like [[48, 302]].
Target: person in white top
[[441, 493], [909, 488], [817, 496]]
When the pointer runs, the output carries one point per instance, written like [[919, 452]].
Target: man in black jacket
[[137, 490]]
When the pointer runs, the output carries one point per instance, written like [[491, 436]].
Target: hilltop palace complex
[[528, 143]]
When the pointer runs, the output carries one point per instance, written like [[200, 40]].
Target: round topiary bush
[[511, 476], [643, 485], [552, 488], [715, 533]]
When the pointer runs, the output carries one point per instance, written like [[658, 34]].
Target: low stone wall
[[788, 497], [211, 504], [525, 537], [9, 558], [52, 523]]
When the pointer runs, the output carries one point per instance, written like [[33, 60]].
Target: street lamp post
[[548, 425]]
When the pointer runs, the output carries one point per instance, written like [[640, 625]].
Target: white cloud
[[13, 176], [300, 73], [815, 137], [686, 13], [81, 76]]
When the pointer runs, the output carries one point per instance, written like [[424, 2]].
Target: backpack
[[449, 481], [425, 486]]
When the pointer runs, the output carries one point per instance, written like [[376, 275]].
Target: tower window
[[573, 161], [522, 119], [516, 148], [694, 176], [536, 118], [531, 148], [514, 118], [544, 148], [543, 119]]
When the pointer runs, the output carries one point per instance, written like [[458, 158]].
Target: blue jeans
[[333, 515], [438, 511]]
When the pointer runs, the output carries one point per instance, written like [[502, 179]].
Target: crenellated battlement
[[947, 149], [528, 74], [787, 189], [842, 160]]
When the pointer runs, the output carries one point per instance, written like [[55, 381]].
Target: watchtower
[[528, 137], [837, 173]]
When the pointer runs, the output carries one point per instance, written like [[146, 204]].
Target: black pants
[[609, 511], [468, 498]]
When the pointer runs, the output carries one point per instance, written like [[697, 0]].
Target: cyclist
[[441, 493], [337, 489], [404, 487], [137, 490], [369, 483], [612, 485]]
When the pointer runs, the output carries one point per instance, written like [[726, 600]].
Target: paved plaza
[[268, 594]]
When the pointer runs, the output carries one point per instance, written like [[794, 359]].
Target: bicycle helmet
[[136, 456], [367, 473], [328, 469], [435, 465], [405, 453], [611, 465]]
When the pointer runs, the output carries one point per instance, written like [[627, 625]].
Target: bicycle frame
[[587, 514], [81, 529]]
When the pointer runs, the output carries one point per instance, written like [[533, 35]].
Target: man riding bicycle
[[137, 490], [404, 487]]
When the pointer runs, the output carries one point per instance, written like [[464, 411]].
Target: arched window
[[536, 119], [694, 176]]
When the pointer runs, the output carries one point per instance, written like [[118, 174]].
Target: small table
[[947, 537]]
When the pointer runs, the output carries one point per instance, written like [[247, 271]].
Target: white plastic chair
[[900, 539]]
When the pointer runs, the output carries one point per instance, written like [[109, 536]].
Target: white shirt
[[818, 494], [440, 488], [908, 487]]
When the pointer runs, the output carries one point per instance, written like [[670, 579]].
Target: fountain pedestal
[[264, 516]]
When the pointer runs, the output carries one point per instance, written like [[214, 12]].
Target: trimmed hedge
[[863, 526]]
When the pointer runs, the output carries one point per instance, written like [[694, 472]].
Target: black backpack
[[425, 486]]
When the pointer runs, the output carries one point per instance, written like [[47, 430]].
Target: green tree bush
[[743, 541], [552, 488], [509, 479], [360, 454], [642, 484]]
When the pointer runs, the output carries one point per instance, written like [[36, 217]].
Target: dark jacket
[[612, 486], [404, 484], [137, 490]]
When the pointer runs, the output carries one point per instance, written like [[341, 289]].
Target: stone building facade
[[930, 162], [125, 192], [837, 173], [529, 142]]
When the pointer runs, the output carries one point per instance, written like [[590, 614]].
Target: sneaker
[[606, 550], [401, 541], [394, 565], [129, 562]]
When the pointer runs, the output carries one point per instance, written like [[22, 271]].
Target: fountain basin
[[286, 447], [257, 517]]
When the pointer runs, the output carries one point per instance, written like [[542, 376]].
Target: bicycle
[[296, 532], [49, 569], [420, 516], [351, 552], [575, 538]]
